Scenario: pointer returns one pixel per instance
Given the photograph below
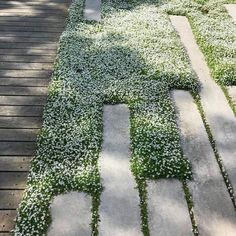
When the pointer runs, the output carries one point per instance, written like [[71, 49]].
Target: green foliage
[[132, 56]]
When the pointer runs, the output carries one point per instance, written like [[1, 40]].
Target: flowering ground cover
[[132, 56]]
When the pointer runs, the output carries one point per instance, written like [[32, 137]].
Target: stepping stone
[[218, 113], [213, 208], [232, 92], [71, 215], [231, 8], [119, 208], [92, 10], [167, 209]]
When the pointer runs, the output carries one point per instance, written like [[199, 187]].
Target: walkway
[[29, 32]]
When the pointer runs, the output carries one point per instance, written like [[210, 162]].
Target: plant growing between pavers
[[215, 32], [133, 56]]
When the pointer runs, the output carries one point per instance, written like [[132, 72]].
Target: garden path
[[26, 64]]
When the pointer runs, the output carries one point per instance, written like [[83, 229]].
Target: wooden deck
[[29, 33]]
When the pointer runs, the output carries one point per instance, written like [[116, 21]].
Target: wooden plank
[[19, 90], [24, 82], [55, 24], [33, 19], [13, 180], [36, 4], [28, 51], [30, 29], [31, 10], [22, 100], [29, 34], [17, 148], [20, 122], [25, 7], [10, 199], [30, 13], [31, 39], [25, 66], [15, 163], [40, 1], [42, 46], [32, 111], [7, 220], [18, 134], [25, 73]]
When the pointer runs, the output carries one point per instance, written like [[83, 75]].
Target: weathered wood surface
[[29, 34]]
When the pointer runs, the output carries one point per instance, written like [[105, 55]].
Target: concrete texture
[[213, 208], [232, 92], [119, 208], [71, 215], [92, 10], [167, 209], [218, 113], [231, 8]]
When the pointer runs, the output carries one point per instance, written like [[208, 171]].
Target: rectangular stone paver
[[71, 215], [119, 208], [218, 113], [213, 209], [231, 8], [92, 10], [167, 209]]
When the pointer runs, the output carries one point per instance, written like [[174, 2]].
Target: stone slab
[[218, 113], [167, 209], [71, 215], [231, 8], [92, 10], [119, 208], [213, 208]]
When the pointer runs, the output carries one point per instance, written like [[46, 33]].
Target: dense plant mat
[[132, 56]]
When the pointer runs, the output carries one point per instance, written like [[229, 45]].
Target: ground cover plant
[[132, 56], [215, 32]]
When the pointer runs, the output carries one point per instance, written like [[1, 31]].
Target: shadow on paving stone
[[71, 215]]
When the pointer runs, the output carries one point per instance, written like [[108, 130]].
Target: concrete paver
[[218, 113], [71, 215], [231, 8], [167, 209], [119, 208], [92, 10], [213, 208]]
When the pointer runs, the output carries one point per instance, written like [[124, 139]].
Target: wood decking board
[[20, 90], [15, 163], [20, 122], [32, 111], [22, 100], [26, 58], [29, 35]]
